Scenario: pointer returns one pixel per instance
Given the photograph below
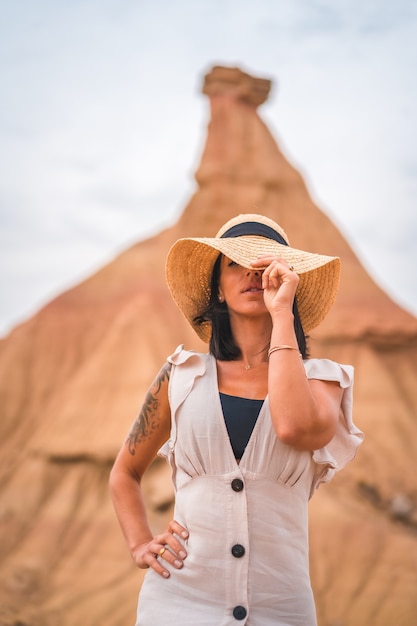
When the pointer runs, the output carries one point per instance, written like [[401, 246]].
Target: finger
[[158, 554], [174, 533], [152, 560], [283, 282], [175, 548], [272, 275], [264, 259], [278, 268], [166, 554], [260, 264], [179, 530], [171, 540]]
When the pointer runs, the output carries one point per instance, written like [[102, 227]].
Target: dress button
[[238, 550], [239, 612], [237, 484]]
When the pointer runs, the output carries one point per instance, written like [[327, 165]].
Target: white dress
[[247, 550]]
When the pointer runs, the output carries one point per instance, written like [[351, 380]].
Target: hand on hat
[[279, 282]]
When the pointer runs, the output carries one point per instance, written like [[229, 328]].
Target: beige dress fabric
[[265, 582]]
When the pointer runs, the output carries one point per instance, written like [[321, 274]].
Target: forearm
[[293, 408], [146, 550], [126, 494]]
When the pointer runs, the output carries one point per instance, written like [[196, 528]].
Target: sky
[[102, 125]]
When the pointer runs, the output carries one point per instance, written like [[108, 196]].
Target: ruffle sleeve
[[345, 443], [184, 383]]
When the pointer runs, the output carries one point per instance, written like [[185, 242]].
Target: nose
[[254, 272]]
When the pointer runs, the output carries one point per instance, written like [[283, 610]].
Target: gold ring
[[161, 551]]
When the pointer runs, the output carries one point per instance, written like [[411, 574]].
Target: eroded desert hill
[[73, 376]]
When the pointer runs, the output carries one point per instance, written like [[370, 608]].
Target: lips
[[253, 289]]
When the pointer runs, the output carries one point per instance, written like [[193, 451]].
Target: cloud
[[102, 123]]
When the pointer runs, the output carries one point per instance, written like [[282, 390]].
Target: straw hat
[[190, 264]]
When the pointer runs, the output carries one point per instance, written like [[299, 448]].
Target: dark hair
[[222, 344]]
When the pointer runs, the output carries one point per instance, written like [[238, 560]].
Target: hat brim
[[190, 265]]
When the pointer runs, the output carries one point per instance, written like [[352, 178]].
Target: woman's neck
[[253, 338]]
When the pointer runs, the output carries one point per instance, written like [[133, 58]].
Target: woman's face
[[241, 288]]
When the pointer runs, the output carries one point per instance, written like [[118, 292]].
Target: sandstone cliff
[[73, 376]]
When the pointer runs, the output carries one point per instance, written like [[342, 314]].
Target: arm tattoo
[[147, 421]]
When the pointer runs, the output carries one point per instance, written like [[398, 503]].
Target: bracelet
[[283, 347]]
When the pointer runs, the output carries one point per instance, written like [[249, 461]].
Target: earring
[[220, 298]]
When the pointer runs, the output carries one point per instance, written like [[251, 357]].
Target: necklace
[[251, 367]]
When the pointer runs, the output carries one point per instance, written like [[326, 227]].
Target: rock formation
[[73, 376]]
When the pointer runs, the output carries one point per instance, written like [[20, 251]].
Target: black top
[[240, 415]]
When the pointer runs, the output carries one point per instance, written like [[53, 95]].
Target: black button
[[238, 550], [239, 612], [237, 484]]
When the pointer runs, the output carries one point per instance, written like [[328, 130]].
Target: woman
[[250, 430]]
